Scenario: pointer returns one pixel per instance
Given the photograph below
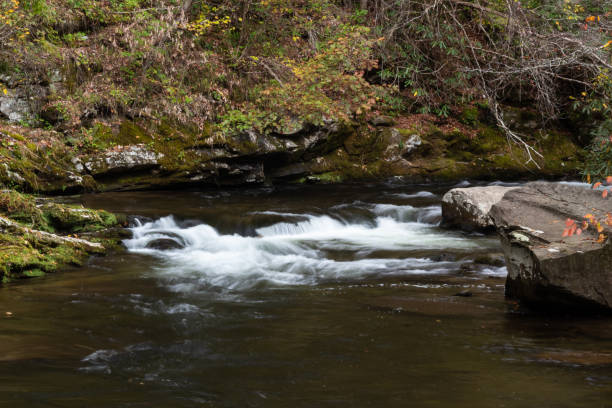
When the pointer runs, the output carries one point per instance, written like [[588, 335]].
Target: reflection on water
[[312, 296]]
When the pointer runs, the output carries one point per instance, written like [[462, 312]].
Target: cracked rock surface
[[544, 268]]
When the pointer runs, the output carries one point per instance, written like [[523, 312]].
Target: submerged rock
[[468, 208], [544, 268], [164, 244]]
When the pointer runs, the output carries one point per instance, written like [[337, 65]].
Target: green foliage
[[598, 165], [328, 86], [596, 107]]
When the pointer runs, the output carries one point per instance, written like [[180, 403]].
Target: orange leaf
[[596, 185], [604, 193], [578, 231], [601, 238], [609, 179], [569, 222]]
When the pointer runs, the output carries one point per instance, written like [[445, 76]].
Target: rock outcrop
[[544, 268], [121, 159], [468, 208], [144, 154]]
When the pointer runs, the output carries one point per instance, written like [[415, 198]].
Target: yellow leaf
[[415, 93], [606, 45], [4, 91]]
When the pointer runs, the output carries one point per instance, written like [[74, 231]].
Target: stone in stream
[[464, 293], [164, 244], [545, 269], [468, 208]]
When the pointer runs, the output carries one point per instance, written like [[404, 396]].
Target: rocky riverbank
[[135, 155]]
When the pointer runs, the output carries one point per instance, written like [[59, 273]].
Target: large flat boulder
[[120, 159], [468, 208], [545, 268]]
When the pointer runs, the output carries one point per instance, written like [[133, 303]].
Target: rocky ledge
[[137, 154]]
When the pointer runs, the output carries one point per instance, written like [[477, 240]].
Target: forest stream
[[305, 296]]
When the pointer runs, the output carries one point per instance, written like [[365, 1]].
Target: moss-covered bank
[[38, 236], [140, 154]]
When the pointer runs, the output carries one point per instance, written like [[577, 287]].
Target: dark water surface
[[328, 296]]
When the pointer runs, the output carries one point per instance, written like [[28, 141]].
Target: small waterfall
[[304, 249]]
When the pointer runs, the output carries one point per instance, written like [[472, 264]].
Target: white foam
[[296, 253], [419, 194], [501, 271]]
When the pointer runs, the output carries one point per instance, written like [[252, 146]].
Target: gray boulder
[[15, 108], [468, 208], [120, 159], [544, 268]]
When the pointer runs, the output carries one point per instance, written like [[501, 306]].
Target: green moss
[[23, 256], [22, 208], [52, 217], [73, 219], [329, 177], [469, 116], [131, 133], [25, 253], [34, 273]]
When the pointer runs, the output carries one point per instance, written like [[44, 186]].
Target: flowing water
[[317, 296]]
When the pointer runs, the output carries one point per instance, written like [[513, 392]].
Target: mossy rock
[[27, 249], [77, 219], [23, 256]]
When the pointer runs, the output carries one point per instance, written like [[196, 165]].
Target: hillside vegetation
[[209, 71]]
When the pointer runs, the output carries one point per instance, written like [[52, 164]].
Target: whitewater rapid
[[351, 241]]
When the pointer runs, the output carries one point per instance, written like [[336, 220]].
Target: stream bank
[[145, 155]]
